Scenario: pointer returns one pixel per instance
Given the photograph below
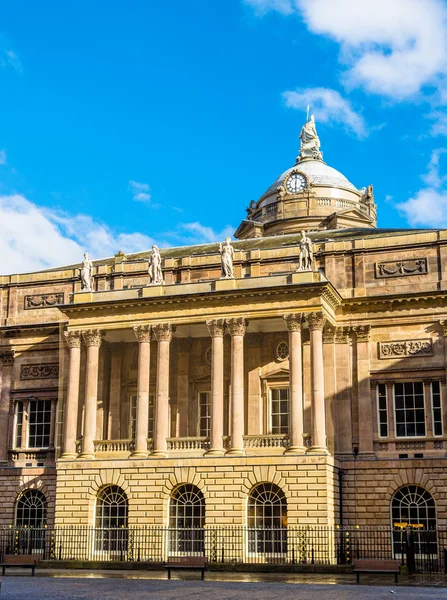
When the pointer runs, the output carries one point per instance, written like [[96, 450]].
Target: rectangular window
[[133, 416], [39, 423], [19, 423], [382, 410], [204, 414], [279, 398], [409, 409], [436, 407]]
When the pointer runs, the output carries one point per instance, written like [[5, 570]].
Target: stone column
[[237, 327], [296, 425], [362, 333], [163, 334], [70, 429], [7, 363], [329, 384], [92, 339], [143, 334], [316, 322], [216, 329]]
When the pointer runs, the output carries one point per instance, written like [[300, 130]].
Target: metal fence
[[422, 551]]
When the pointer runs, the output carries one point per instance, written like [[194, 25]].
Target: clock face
[[296, 183]]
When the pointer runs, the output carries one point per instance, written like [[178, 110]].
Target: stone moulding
[[45, 371], [401, 268], [407, 348], [43, 300]]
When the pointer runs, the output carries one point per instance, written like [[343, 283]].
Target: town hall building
[[293, 377]]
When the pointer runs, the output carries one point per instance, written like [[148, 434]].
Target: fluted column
[[92, 339], [143, 334], [216, 329], [73, 339], [316, 322], [296, 445], [237, 327], [7, 364], [163, 334]]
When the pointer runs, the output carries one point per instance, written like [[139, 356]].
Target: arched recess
[[267, 519], [111, 520], [186, 520], [413, 518], [31, 509]]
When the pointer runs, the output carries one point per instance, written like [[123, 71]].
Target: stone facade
[[148, 387]]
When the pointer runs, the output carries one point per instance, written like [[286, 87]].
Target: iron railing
[[421, 550]]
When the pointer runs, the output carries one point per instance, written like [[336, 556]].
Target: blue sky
[[127, 123]]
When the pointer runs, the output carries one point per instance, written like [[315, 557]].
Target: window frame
[[433, 408], [385, 410], [27, 412], [271, 389], [18, 426], [411, 437], [132, 428], [207, 416]]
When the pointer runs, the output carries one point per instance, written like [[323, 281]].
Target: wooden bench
[[199, 563], [25, 561], [377, 566]]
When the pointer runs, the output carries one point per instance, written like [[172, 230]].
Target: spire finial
[[310, 142]]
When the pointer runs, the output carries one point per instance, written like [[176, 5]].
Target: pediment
[[276, 373], [348, 215]]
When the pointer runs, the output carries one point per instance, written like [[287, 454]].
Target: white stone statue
[[226, 257], [310, 142], [155, 271], [86, 274], [306, 253]]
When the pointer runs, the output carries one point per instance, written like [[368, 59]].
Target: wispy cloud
[[261, 7], [140, 191], [428, 207], [8, 58], [328, 106], [196, 233], [25, 225], [2, 157]]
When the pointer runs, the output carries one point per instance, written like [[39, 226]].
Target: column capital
[[163, 332], [7, 358], [236, 326], [362, 333], [342, 335], [216, 327], [143, 333], [294, 321], [316, 320], [93, 337], [328, 334], [73, 338]]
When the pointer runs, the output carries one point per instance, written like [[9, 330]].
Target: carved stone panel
[[43, 300], [408, 348], [401, 268], [45, 371]]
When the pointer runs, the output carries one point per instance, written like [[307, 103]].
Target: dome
[[318, 173]]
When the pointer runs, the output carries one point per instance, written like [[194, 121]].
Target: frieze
[[45, 371], [401, 268], [44, 301], [408, 348]]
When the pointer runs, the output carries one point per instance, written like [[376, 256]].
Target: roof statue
[[86, 274], [310, 142]]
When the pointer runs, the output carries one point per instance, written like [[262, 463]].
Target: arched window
[[111, 520], [267, 519], [31, 509], [111, 508], [413, 510], [187, 520]]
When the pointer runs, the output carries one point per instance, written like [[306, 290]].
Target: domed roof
[[318, 173]]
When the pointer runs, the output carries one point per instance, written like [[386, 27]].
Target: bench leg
[[358, 577], [169, 573], [203, 574], [396, 576]]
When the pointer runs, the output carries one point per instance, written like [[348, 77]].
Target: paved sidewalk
[[106, 588]]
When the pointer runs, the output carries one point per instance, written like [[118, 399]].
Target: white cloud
[[328, 106], [428, 207], [196, 233], [2, 157], [140, 191], [8, 58], [390, 47], [25, 225]]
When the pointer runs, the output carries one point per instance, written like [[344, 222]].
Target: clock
[[296, 183]]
